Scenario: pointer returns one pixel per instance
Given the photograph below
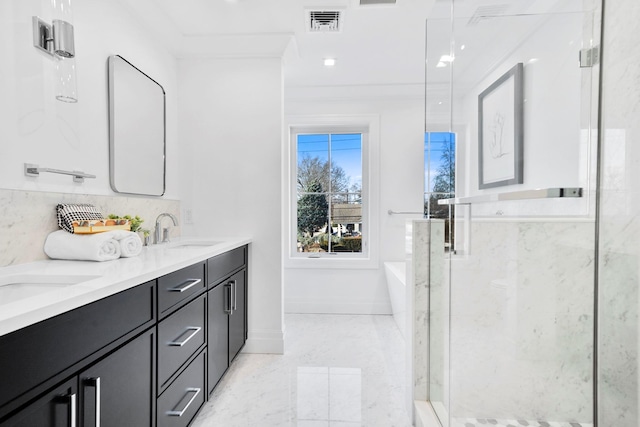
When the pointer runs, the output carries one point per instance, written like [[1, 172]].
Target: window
[[330, 212], [440, 178]]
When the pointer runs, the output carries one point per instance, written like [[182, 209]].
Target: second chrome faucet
[[162, 234]]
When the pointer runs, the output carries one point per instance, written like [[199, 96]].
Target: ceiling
[[377, 44], [380, 46]]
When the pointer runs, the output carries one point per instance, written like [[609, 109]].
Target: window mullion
[[329, 229]]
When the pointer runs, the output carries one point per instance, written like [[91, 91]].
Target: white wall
[[38, 129], [557, 150], [400, 173], [230, 138]]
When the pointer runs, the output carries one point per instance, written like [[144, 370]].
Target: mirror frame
[[112, 61]]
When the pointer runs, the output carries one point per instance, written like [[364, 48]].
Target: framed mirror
[[136, 130]]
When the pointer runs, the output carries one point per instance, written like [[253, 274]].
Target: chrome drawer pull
[[190, 283], [234, 287], [72, 410], [95, 382], [177, 413], [194, 330], [228, 303]]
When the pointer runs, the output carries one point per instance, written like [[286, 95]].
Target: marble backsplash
[[29, 216]]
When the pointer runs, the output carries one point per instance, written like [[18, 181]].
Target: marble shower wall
[[427, 296], [29, 216], [619, 271], [522, 321]]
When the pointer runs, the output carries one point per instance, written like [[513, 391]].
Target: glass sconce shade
[[57, 40], [65, 79], [62, 10]]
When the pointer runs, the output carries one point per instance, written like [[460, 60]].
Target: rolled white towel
[[130, 243], [88, 247]]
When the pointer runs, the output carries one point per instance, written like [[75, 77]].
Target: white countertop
[[112, 277]]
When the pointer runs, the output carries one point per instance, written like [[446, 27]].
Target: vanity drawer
[[224, 264], [178, 286], [179, 404], [179, 337]]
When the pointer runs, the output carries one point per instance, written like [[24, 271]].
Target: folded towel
[[130, 243], [90, 247]]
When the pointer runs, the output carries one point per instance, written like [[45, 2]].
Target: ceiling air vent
[[324, 21], [487, 12], [368, 2]]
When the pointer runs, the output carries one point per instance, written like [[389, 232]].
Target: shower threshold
[[498, 422]]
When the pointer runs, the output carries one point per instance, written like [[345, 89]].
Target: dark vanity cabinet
[[56, 408], [118, 390], [97, 361], [147, 356], [227, 319]]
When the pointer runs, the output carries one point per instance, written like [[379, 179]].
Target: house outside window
[[329, 195]]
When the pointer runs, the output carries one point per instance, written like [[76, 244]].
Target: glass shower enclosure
[[511, 329]]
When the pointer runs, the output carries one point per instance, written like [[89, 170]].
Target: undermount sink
[[20, 286], [192, 244]]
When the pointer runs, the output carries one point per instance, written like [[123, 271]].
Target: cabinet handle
[[234, 287], [193, 329], [189, 283], [179, 413], [95, 382], [72, 409], [228, 308]]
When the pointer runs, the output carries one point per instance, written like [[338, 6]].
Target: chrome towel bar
[[540, 193], [34, 170], [390, 212]]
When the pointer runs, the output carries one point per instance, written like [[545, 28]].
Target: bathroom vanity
[[143, 343]]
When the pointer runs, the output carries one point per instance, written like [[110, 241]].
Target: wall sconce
[[56, 39]]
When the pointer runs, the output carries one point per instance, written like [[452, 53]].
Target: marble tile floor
[[337, 371], [493, 422]]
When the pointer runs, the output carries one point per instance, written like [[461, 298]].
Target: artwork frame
[[501, 132]]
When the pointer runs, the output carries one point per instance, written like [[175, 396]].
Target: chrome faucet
[[162, 234]]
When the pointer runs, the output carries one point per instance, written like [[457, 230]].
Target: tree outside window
[[440, 178], [329, 192]]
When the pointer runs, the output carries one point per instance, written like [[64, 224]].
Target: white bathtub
[[396, 282]]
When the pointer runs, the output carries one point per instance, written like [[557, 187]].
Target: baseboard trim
[[265, 342]]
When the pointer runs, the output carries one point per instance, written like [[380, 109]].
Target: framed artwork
[[500, 131]]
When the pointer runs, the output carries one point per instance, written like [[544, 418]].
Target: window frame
[[367, 126]]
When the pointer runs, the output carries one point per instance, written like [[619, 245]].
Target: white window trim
[[370, 187]]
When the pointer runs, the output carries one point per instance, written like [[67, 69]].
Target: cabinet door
[[238, 316], [217, 334], [119, 389], [57, 408]]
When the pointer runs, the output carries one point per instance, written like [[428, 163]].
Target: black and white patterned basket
[[68, 213]]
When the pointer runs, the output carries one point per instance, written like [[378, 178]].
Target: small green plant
[[135, 221]]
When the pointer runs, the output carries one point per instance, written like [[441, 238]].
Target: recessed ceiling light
[[446, 58], [329, 62], [462, 47], [441, 65]]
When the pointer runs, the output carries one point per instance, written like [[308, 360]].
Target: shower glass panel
[[519, 343]]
